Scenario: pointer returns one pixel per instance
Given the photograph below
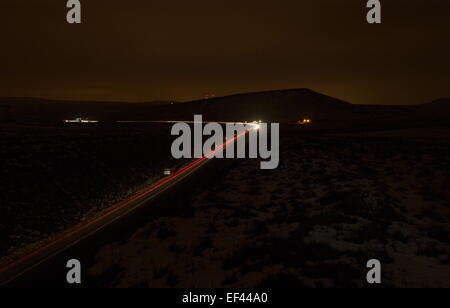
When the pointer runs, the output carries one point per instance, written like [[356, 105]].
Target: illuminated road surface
[[75, 235]]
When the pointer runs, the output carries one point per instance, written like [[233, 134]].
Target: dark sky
[[140, 50]]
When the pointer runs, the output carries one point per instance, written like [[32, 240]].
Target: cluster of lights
[[79, 120], [305, 121], [256, 124]]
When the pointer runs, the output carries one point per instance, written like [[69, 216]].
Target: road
[[80, 233]]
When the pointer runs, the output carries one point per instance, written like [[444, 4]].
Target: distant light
[[304, 121], [80, 120]]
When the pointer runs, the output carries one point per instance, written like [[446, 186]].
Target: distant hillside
[[289, 106], [441, 105], [437, 111], [284, 106], [44, 110], [281, 106]]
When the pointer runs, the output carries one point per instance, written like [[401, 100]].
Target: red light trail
[[109, 213]]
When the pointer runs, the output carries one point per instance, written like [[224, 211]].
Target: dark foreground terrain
[[360, 182], [335, 202], [54, 177]]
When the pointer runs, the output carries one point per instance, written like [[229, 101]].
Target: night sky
[[142, 50]]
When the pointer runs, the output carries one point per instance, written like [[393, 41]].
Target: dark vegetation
[[54, 177], [334, 203]]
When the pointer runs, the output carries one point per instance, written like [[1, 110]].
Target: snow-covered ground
[[334, 203]]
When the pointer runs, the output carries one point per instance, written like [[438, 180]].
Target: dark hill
[[285, 106], [441, 105], [279, 106], [289, 106]]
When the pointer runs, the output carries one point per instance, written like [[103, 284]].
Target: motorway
[[76, 235]]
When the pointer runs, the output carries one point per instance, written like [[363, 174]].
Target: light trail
[[102, 220]]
